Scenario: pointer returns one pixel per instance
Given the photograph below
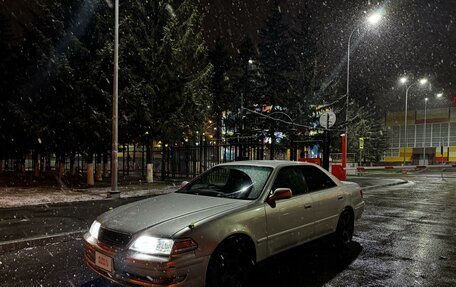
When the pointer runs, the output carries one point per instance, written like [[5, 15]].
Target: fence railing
[[171, 162]]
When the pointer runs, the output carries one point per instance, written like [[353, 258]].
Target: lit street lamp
[[373, 19], [404, 81]]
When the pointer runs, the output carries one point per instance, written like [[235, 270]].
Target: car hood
[[165, 215]]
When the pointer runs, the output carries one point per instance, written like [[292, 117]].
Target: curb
[[384, 185], [14, 245]]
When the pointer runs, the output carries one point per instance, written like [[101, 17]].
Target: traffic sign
[[361, 143], [327, 119]]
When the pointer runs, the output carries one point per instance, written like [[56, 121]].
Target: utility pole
[[115, 193]]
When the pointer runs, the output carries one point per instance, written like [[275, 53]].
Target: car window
[[243, 182], [316, 179], [292, 178]]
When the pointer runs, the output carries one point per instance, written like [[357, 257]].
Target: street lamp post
[[424, 134], [373, 20], [115, 193], [404, 80]]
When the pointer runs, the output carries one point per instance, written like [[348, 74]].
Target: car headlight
[[160, 246], [94, 229]]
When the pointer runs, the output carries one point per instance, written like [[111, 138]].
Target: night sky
[[416, 38]]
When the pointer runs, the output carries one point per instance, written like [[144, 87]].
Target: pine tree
[[244, 89], [221, 101], [306, 76], [167, 88], [276, 64], [189, 60], [36, 62], [7, 72]]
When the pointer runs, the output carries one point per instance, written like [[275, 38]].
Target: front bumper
[[135, 269]]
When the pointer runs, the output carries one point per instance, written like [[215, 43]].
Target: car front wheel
[[230, 264]]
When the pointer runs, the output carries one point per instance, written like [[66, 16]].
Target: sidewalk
[[11, 197]]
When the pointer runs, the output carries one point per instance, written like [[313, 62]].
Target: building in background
[[437, 144]]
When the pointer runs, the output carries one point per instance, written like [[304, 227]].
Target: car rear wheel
[[230, 264], [345, 229]]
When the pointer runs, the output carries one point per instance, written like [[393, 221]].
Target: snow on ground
[[16, 197]]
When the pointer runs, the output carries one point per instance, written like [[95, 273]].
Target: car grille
[[113, 238]]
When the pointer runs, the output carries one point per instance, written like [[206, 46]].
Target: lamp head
[[423, 81], [374, 18]]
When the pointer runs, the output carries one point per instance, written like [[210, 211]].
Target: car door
[[327, 199], [290, 220]]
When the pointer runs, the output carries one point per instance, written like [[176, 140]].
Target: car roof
[[267, 163]]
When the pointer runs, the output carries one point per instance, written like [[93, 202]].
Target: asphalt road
[[51, 219], [405, 238]]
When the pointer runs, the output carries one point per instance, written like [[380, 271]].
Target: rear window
[[316, 179]]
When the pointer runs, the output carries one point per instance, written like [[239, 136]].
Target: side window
[[316, 179], [292, 178]]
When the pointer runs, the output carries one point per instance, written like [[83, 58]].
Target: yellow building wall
[[393, 159], [400, 158], [453, 114], [451, 151], [397, 118], [433, 116]]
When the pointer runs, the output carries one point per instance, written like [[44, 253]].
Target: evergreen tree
[[307, 76], [365, 124], [221, 101], [7, 72], [36, 59], [276, 64], [166, 60], [244, 89], [189, 59], [276, 61]]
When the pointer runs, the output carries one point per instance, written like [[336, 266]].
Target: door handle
[[307, 206], [340, 197]]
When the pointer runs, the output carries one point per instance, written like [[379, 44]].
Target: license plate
[[103, 261]]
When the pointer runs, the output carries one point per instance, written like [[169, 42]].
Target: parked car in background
[[214, 229]]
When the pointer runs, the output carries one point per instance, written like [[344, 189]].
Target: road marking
[[13, 245]]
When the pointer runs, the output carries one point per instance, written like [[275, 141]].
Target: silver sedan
[[214, 229]]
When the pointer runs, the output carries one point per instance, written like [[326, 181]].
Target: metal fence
[[190, 161], [169, 162]]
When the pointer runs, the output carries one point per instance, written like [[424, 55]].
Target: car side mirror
[[184, 183], [278, 194]]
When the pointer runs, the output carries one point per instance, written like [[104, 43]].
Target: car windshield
[[242, 182]]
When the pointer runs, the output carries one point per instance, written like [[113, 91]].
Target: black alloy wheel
[[230, 265], [345, 228]]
